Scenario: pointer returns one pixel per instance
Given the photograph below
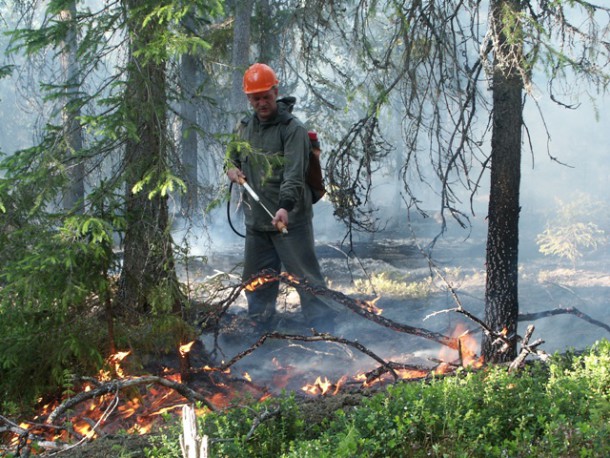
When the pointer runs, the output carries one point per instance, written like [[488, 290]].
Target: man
[[272, 154]]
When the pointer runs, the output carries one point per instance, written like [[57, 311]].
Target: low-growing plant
[[577, 227], [393, 284]]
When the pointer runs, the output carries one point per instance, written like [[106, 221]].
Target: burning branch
[[117, 385], [360, 307], [25, 437], [497, 336]]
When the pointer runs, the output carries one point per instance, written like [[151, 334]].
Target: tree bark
[[241, 53], [189, 138], [74, 193], [501, 291], [148, 277]]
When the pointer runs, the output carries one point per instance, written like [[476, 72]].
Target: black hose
[[229, 212]]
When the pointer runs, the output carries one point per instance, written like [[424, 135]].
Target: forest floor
[[401, 280]]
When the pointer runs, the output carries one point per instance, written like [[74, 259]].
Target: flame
[[292, 278], [468, 351], [186, 348], [318, 387], [114, 361], [247, 377], [370, 306], [259, 281]]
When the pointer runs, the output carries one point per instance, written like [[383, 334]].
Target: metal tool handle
[[280, 226]]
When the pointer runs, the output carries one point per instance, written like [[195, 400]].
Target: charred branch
[[563, 311], [315, 338], [114, 386], [527, 349], [363, 309], [25, 437]]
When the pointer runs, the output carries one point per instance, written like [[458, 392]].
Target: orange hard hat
[[259, 78]]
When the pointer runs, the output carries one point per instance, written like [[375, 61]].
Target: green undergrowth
[[558, 409]]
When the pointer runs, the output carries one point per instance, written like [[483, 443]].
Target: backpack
[[314, 171]]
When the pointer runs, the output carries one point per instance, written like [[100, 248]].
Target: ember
[[259, 281], [370, 306]]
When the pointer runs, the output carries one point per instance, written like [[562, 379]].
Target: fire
[[468, 347], [259, 281], [318, 387], [292, 278], [323, 386], [186, 348], [370, 306], [114, 361]]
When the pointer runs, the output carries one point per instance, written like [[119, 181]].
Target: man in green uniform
[[272, 154]]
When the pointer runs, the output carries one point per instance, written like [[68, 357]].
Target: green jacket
[[274, 156]]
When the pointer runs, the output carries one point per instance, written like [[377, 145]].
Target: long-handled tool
[[279, 225]]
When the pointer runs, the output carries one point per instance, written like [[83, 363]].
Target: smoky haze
[[579, 141]]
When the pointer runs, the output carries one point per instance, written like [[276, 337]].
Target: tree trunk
[[268, 39], [189, 137], [74, 193], [148, 277], [241, 53], [501, 291]]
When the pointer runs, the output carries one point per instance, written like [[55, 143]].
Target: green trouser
[[295, 252]]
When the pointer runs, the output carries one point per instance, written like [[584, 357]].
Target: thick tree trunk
[[74, 193], [148, 278], [501, 292]]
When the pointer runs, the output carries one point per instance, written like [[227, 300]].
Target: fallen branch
[[528, 349], [314, 338], [497, 336], [26, 437], [359, 307], [375, 374], [117, 385], [562, 311]]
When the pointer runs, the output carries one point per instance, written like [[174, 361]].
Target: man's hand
[[280, 220], [236, 175]]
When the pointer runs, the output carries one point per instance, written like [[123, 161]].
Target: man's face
[[264, 103]]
